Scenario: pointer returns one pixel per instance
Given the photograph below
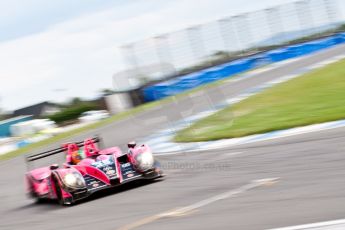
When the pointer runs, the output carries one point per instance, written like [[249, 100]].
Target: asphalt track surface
[[202, 190]]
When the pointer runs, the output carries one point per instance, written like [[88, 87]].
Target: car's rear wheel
[[32, 194]]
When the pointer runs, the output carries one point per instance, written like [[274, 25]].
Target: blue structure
[[5, 125], [189, 81]]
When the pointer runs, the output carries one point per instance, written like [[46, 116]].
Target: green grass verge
[[108, 121], [316, 97]]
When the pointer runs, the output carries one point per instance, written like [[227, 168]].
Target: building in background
[[39, 110], [191, 51]]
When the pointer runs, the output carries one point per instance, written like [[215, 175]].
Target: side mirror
[[54, 166]]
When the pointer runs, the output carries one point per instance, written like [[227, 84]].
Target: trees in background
[[72, 110]]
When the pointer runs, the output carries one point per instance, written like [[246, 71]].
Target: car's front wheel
[[59, 196]]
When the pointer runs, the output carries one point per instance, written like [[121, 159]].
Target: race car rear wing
[[51, 152]]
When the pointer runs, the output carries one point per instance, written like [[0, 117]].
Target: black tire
[[32, 194], [60, 198]]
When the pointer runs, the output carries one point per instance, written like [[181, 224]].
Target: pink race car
[[88, 169]]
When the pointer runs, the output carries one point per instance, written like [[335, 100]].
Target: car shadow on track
[[47, 204], [117, 190], [42, 205]]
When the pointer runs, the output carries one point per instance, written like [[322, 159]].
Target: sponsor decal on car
[[125, 165], [110, 172], [103, 163], [107, 168]]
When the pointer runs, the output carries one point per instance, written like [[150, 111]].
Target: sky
[[58, 49]]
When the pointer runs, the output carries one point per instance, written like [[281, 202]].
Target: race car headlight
[[144, 161], [74, 180]]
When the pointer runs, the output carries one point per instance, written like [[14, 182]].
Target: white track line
[[329, 225], [193, 207], [222, 196]]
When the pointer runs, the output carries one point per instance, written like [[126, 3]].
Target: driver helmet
[[131, 144], [77, 156]]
